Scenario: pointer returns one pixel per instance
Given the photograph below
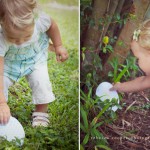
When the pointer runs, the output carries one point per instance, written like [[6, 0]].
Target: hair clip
[[136, 34]]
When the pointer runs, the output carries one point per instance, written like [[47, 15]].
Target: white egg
[[103, 91], [12, 130]]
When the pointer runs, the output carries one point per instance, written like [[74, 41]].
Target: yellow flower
[[105, 40]]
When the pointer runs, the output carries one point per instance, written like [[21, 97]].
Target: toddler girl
[[24, 43], [140, 47]]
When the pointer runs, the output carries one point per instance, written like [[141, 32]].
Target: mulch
[[131, 131]]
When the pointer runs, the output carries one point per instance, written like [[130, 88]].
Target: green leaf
[[84, 117], [109, 48], [99, 115], [99, 136], [121, 74], [83, 49], [83, 95], [104, 147], [120, 43], [118, 16], [83, 56], [98, 124], [90, 93], [81, 147], [104, 50], [82, 128], [110, 74], [96, 133], [114, 63], [86, 139]]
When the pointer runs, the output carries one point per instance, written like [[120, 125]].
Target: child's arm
[[54, 34], [2, 98], [135, 85], [4, 108]]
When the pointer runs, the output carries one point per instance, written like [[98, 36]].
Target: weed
[[120, 70], [90, 127]]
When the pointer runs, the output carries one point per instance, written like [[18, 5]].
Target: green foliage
[[116, 19], [107, 48], [91, 78], [102, 146], [65, 2], [85, 11], [89, 127], [143, 107], [62, 132], [124, 71]]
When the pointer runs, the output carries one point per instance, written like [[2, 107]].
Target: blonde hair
[[17, 13], [144, 36]]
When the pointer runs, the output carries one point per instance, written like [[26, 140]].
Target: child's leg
[[41, 86], [41, 108], [42, 93]]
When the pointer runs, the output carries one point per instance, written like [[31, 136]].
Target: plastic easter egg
[[12, 130], [103, 91]]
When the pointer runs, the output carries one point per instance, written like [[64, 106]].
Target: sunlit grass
[[65, 2]]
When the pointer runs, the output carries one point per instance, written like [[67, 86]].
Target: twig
[[124, 121], [103, 29], [108, 6], [129, 106], [121, 134], [103, 133], [138, 113], [142, 94], [134, 145]]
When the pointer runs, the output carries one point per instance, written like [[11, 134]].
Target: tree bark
[[94, 35], [125, 36]]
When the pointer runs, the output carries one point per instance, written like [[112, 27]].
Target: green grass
[[65, 2], [62, 134]]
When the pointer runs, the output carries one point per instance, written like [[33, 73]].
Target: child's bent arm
[[138, 84], [54, 34], [2, 97]]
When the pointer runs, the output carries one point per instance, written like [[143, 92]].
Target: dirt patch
[[132, 128]]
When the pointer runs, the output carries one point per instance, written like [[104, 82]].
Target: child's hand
[[61, 54], [4, 113], [117, 87]]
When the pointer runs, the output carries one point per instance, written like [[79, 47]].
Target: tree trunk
[[94, 35], [125, 36], [147, 14]]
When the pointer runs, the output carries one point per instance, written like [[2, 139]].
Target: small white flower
[[136, 34]]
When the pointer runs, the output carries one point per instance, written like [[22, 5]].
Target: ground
[[132, 128]]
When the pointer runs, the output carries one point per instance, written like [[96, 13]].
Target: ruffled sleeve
[[43, 22], [3, 45]]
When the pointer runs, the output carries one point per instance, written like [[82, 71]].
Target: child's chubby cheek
[[135, 48], [144, 66]]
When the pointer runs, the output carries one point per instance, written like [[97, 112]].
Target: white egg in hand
[[103, 91], [12, 130]]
